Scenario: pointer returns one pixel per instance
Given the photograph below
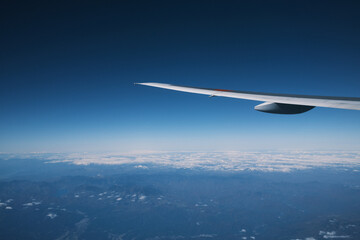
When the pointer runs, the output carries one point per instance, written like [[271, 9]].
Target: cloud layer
[[224, 161]]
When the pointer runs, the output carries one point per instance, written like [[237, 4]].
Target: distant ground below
[[42, 200]]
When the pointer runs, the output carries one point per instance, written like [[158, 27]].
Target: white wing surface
[[273, 103]]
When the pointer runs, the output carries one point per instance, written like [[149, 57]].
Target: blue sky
[[67, 74]]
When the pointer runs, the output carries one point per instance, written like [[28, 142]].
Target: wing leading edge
[[273, 103]]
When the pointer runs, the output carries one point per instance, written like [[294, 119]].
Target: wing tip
[[153, 84], [141, 83]]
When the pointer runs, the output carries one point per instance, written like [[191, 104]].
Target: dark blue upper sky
[[67, 73]]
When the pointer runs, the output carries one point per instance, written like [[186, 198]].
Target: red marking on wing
[[223, 90]]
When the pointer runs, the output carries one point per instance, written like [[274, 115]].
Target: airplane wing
[[272, 103]]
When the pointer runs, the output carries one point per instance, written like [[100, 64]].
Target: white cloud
[[31, 204], [332, 235], [52, 215], [308, 238], [280, 161], [224, 161], [204, 236], [141, 166]]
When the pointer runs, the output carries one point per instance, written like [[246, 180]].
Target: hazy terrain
[[44, 200]]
